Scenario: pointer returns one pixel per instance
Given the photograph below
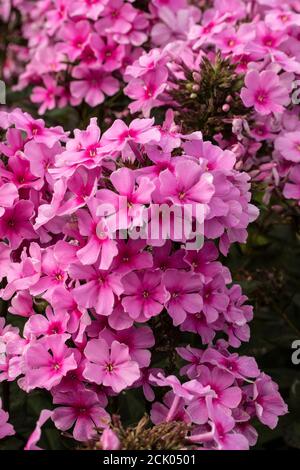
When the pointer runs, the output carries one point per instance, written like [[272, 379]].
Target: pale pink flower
[[265, 92], [91, 85]]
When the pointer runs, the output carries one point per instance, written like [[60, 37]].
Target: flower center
[[145, 294], [109, 367], [261, 97]]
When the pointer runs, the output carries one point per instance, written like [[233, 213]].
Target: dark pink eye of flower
[[55, 328], [284, 18], [11, 223], [269, 41], [261, 96]]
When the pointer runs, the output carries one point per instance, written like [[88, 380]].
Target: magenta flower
[[35, 436], [138, 340], [140, 131], [110, 54], [144, 295], [265, 92], [82, 408], [225, 395], [239, 367], [184, 290], [289, 146], [109, 440], [87, 8], [145, 91], [8, 194], [46, 95], [292, 188], [187, 185], [112, 366], [52, 324], [92, 85], [100, 289], [224, 434], [6, 429], [15, 223], [131, 256], [83, 149], [47, 362], [268, 403], [75, 36], [99, 244]]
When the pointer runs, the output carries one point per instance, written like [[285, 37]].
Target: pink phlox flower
[[46, 95], [91, 85], [88, 8], [15, 223], [215, 298], [204, 261], [193, 356], [164, 258], [146, 90], [100, 245], [74, 37], [109, 54], [81, 409], [100, 288], [112, 366], [51, 324], [8, 194], [292, 187], [267, 400], [225, 394], [22, 275], [119, 136], [185, 294], [173, 25], [144, 294], [138, 340], [265, 92], [46, 362], [240, 367], [36, 130], [14, 142], [109, 440], [288, 145], [54, 265], [6, 429], [35, 436], [132, 256], [83, 149], [22, 304]]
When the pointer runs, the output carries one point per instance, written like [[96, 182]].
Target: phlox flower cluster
[[94, 306], [83, 51]]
